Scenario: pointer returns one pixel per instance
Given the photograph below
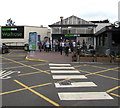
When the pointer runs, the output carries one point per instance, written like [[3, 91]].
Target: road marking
[[26, 65], [108, 91], [99, 67], [69, 77], [76, 84], [99, 75], [115, 95], [12, 67], [66, 71], [38, 94], [25, 88], [62, 68], [59, 64], [10, 62], [104, 70], [84, 96], [21, 66], [6, 74]]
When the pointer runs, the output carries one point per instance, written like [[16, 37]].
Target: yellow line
[[21, 66], [25, 65], [104, 70], [99, 75], [11, 62], [80, 65], [99, 67], [31, 73], [12, 67], [38, 94], [115, 95], [25, 88], [108, 77], [108, 91]]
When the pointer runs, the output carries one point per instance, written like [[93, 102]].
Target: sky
[[47, 12]]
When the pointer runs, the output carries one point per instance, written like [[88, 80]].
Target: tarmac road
[[31, 83]]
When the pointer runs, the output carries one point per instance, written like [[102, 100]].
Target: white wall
[[0, 35]]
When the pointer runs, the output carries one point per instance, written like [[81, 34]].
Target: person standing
[[74, 45], [47, 46], [67, 45], [40, 45]]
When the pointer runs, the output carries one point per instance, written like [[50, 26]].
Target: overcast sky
[[46, 12]]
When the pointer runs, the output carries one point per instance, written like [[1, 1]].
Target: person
[[54, 43], [74, 45], [112, 56], [40, 45], [94, 55], [67, 45], [61, 47], [47, 46]]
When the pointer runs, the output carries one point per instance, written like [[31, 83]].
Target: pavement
[[49, 57], [56, 57]]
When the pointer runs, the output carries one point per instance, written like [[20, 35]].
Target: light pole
[[61, 25]]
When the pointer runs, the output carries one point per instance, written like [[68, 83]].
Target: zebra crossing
[[4, 74], [67, 72]]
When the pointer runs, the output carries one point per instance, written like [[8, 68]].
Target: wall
[[43, 31]]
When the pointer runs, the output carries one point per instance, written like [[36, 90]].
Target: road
[[34, 83]]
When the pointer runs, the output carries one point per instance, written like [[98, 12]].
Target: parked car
[[3, 48]]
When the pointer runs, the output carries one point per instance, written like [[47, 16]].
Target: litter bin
[[26, 47]]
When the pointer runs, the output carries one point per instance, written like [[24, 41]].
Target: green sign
[[69, 35]]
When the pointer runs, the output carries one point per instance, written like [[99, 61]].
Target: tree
[[10, 22]]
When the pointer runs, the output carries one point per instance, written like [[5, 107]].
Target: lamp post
[[61, 25]]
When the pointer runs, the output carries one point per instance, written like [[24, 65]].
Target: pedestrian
[[73, 46], [112, 56], [53, 45], [47, 46], [40, 45], [67, 46], [61, 47]]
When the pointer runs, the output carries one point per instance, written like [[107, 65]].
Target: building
[[17, 36], [108, 38], [74, 28]]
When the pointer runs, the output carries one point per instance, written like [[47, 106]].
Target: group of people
[[64, 46]]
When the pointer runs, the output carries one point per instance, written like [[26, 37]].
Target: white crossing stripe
[[84, 96], [62, 68], [69, 77], [76, 84], [66, 71], [59, 64]]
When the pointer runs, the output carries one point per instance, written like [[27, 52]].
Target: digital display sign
[[12, 32], [69, 35]]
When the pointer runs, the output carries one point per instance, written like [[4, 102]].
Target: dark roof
[[110, 28], [73, 25]]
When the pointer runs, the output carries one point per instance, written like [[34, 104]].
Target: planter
[[103, 58], [117, 59], [99, 59]]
